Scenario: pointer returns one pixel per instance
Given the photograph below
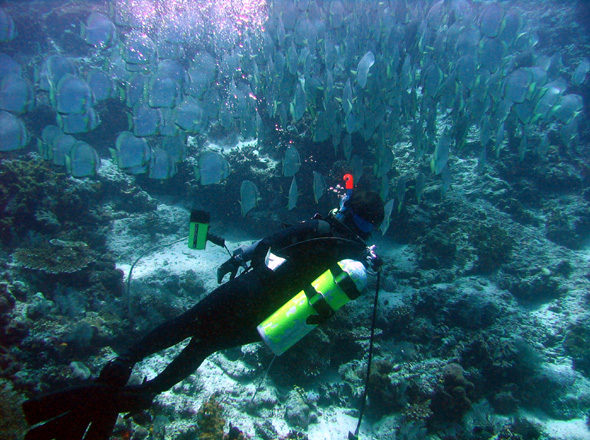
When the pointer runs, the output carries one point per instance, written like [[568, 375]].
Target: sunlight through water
[[182, 21]]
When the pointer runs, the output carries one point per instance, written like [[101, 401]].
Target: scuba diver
[[238, 312]]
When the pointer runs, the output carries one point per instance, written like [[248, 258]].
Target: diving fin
[[102, 426], [49, 406], [68, 426], [66, 414]]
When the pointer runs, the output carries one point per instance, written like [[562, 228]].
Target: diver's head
[[362, 212]]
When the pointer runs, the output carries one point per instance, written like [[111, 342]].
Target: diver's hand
[[231, 266], [374, 261]]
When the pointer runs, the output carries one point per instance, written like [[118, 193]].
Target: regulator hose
[[355, 436]]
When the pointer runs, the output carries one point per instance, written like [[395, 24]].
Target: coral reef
[[520, 429], [385, 393], [452, 398], [12, 420], [27, 188], [210, 419], [55, 257], [211, 424], [34, 198], [569, 227]]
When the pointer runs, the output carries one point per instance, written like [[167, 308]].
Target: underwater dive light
[[198, 228]]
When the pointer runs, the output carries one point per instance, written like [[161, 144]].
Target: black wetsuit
[[229, 315]]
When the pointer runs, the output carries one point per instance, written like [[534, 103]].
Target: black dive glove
[[232, 265]]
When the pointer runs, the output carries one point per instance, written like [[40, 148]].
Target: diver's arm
[[256, 252]]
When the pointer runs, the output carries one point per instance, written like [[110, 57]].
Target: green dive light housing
[[198, 229], [337, 286]]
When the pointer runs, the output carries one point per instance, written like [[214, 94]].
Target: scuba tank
[[313, 305]]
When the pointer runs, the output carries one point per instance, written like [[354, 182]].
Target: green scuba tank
[[313, 305]]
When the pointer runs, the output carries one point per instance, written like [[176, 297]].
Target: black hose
[[128, 296], [364, 398], [215, 239]]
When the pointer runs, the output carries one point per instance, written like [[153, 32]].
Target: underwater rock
[[437, 250], [397, 319], [80, 371], [555, 390], [558, 177], [106, 277], [504, 369], [81, 337], [265, 430], [493, 246], [537, 289], [336, 394], [7, 300], [297, 411], [569, 225], [35, 198], [39, 307], [236, 369], [385, 394], [577, 346], [473, 311], [505, 402], [14, 330], [13, 425]]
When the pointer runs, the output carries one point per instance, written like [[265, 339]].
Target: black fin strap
[[345, 282]]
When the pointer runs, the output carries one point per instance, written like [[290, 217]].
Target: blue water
[[468, 118]]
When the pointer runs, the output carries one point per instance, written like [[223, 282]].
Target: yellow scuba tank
[[313, 305]]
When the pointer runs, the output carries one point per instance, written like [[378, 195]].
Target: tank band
[[345, 282], [320, 305]]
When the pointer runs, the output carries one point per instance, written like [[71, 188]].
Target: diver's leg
[[165, 335], [186, 363]]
